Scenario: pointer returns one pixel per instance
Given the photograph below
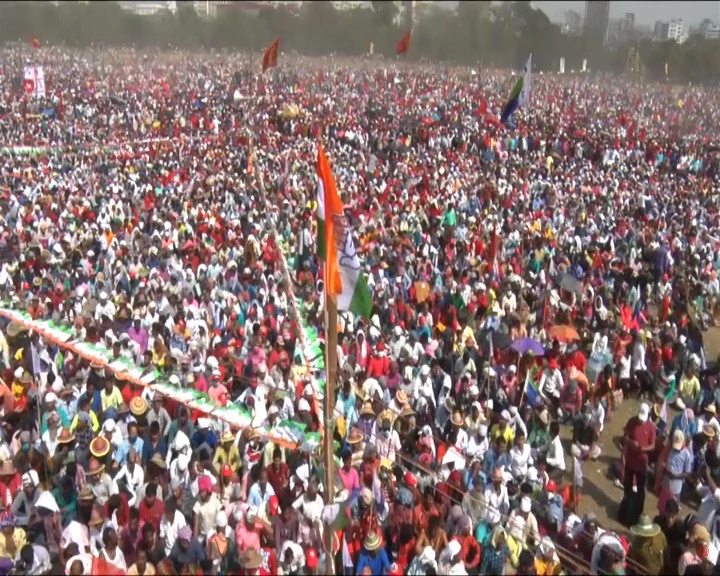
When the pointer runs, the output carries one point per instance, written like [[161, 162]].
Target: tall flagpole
[[331, 365]]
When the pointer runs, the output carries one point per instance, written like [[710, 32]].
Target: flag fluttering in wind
[[520, 94], [270, 55], [335, 246], [35, 42], [403, 44]]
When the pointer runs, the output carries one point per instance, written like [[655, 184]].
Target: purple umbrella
[[525, 345]]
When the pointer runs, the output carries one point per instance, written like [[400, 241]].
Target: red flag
[[271, 55], [404, 44], [35, 42]]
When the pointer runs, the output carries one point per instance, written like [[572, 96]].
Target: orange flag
[[35, 42], [404, 44], [332, 205], [271, 55]]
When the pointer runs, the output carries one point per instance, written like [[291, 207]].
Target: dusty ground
[[599, 493]]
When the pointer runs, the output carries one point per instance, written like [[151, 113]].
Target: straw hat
[[96, 366], [709, 431], [159, 461], [711, 408], [406, 411], [678, 439], [645, 527], [121, 376], [367, 410], [95, 467], [457, 419], [401, 397], [138, 406], [96, 519], [227, 436], [386, 414], [372, 541], [253, 434], [86, 494], [355, 436], [7, 468], [99, 447], [251, 559], [65, 437]]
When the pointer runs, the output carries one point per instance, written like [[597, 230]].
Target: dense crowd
[[526, 280]]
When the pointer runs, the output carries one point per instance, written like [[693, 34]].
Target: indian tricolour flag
[[344, 277]]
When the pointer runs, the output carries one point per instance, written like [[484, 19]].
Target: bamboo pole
[[329, 409]]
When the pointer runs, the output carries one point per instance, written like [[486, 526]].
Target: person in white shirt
[[551, 381], [497, 502], [132, 475], [520, 457], [170, 524], [555, 456], [386, 439]]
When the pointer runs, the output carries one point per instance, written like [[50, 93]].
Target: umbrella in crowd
[[176, 239]]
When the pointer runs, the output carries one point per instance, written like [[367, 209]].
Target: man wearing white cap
[[51, 406], [639, 440], [24, 504]]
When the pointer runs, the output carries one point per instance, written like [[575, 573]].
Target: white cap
[[109, 425], [453, 548], [174, 380], [50, 397], [425, 370], [250, 513], [525, 504], [30, 478], [221, 519], [303, 405], [513, 368], [644, 412], [19, 372]]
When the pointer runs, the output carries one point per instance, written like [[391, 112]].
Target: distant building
[[148, 8], [709, 30], [597, 17], [673, 30], [348, 4]]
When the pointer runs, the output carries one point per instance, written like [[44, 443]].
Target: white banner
[[562, 65], [34, 81]]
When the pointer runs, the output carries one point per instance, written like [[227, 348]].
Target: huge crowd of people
[[527, 280]]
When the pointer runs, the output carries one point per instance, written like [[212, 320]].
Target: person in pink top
[[217, 391], [246, 534], [349, 475]]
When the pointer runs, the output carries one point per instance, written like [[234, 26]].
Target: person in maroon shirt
[[639, 441], [151, 508], [278, 473]]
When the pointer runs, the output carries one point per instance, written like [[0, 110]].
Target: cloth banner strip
[[288, 434]]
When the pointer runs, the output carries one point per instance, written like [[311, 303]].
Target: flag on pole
[[403, 45], [270, 55], [531, 391], [35, 42], [493, 253], [335, 246], [520, 94]]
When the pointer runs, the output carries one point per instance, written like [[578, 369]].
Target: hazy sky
[[646, 13]]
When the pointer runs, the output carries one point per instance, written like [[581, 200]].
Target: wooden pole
[[329, 410]]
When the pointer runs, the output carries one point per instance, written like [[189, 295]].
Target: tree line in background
[[475, 33]]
